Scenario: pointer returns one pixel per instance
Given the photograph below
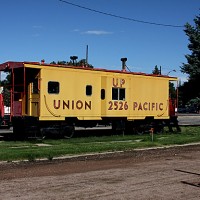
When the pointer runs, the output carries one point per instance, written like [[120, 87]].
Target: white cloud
[[75, 30], [97, 32]]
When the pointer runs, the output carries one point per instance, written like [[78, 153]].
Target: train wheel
[[68, 132], [141, 129]]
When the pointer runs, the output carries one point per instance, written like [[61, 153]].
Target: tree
[[192, 68], [191, 89], [80, 63], [156, 70], [172, 90], [6, 84], [194, 103]]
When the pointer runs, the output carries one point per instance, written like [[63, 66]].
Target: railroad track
[[184, 120]]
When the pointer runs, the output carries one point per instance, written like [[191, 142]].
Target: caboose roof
[[8, 66]]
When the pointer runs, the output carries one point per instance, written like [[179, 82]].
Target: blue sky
[[32, 30]]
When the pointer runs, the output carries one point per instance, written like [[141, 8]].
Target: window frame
[[103, 94], [118, 95], [88, 90], [53, 89]]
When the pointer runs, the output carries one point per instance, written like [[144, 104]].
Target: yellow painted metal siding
[[149, 96], [144, 95], [72, 100], [116, 108]]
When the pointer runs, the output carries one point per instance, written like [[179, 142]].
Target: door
[[34, 97]]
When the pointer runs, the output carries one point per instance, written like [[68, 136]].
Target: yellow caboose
[[47, 97]]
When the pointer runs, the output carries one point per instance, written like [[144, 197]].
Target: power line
[[121, 17]]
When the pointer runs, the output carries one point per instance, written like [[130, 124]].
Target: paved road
[[189, 119]]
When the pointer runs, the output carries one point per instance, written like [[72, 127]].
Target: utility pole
[[86, 60]]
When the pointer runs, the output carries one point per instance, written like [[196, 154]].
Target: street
[[189, 119]]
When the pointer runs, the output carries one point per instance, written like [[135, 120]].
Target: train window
[[122, 94], [53, 87], [118, 94], [88, 90], [114, 93], [103, 94]]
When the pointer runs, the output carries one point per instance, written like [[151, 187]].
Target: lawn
[[48, 148]]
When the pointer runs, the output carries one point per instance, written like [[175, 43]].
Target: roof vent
[[123, 63]]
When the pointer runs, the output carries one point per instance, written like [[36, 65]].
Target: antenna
[[86, 60]]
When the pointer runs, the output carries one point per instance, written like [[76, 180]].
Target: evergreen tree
[[156, 70], [191, 89], [192, 68]]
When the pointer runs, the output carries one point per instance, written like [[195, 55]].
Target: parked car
[[191, 110], [181, 110]]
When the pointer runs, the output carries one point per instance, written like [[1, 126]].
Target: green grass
[[31, 150]]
